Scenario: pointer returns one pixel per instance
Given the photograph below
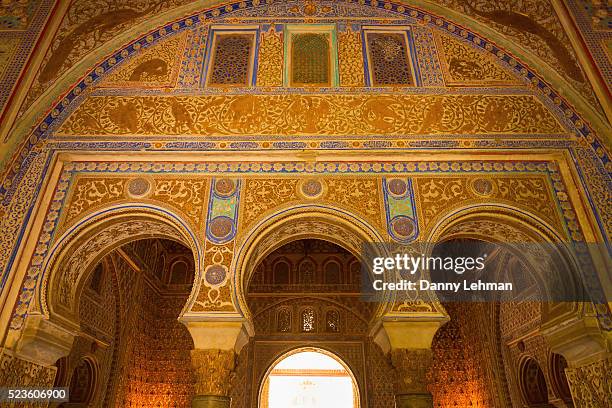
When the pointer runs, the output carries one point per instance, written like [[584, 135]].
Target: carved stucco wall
[[99, 315], [105, 102], [159, 370], [21, 24], [465, 370], [115, 115], [521, 185], [539, 30], [535, 25], [430, 189], [99, 343], [84, 28], [17, 372], [156, 366], [477, 356], [590, 384]]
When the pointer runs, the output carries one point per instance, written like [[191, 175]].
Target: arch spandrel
[[91, 193], [489, 221], [154, 67], [359, 195], [518, 224], [533, 194]]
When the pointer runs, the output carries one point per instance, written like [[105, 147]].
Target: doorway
[[309, 378]]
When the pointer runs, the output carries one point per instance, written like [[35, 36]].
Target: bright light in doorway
[[309, 379]]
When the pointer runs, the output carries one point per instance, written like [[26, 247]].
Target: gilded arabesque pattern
[[264, 194], [270, 60], [188, 195], [581, 128], [90, 193], [532, 23], [438, 195], [16, 15], [350, 59], [591, 386], [571, 116], [592, 18], [292, 114], [598, 185], [12, 216], [508, 171], [359, 194], [8, 48], [17, 372], [21, 24], [86, 26], [156, 66], [428, 56], [216, 297], [535, 25], [463, 65]]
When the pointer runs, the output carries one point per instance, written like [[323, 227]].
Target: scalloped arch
[[511, 222], [306, 221], [85, 244]]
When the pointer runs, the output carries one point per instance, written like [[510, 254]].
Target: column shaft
[[412, 366]]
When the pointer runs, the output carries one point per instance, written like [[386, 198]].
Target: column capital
[[213, 369], [406, 333], [590, 384], [580, 341], [216, 343], [43, 341]]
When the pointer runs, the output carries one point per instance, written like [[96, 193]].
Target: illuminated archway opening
[[309, 378]]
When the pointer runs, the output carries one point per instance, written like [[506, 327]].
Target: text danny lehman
[[423, 284]]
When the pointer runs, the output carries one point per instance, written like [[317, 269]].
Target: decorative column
[[411, 367], [408, 343], [213, 370], [216, 343], [587, 350], [30, 363]]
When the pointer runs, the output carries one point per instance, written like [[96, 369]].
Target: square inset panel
[[312, 55], [389, 62], [232, 56]]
